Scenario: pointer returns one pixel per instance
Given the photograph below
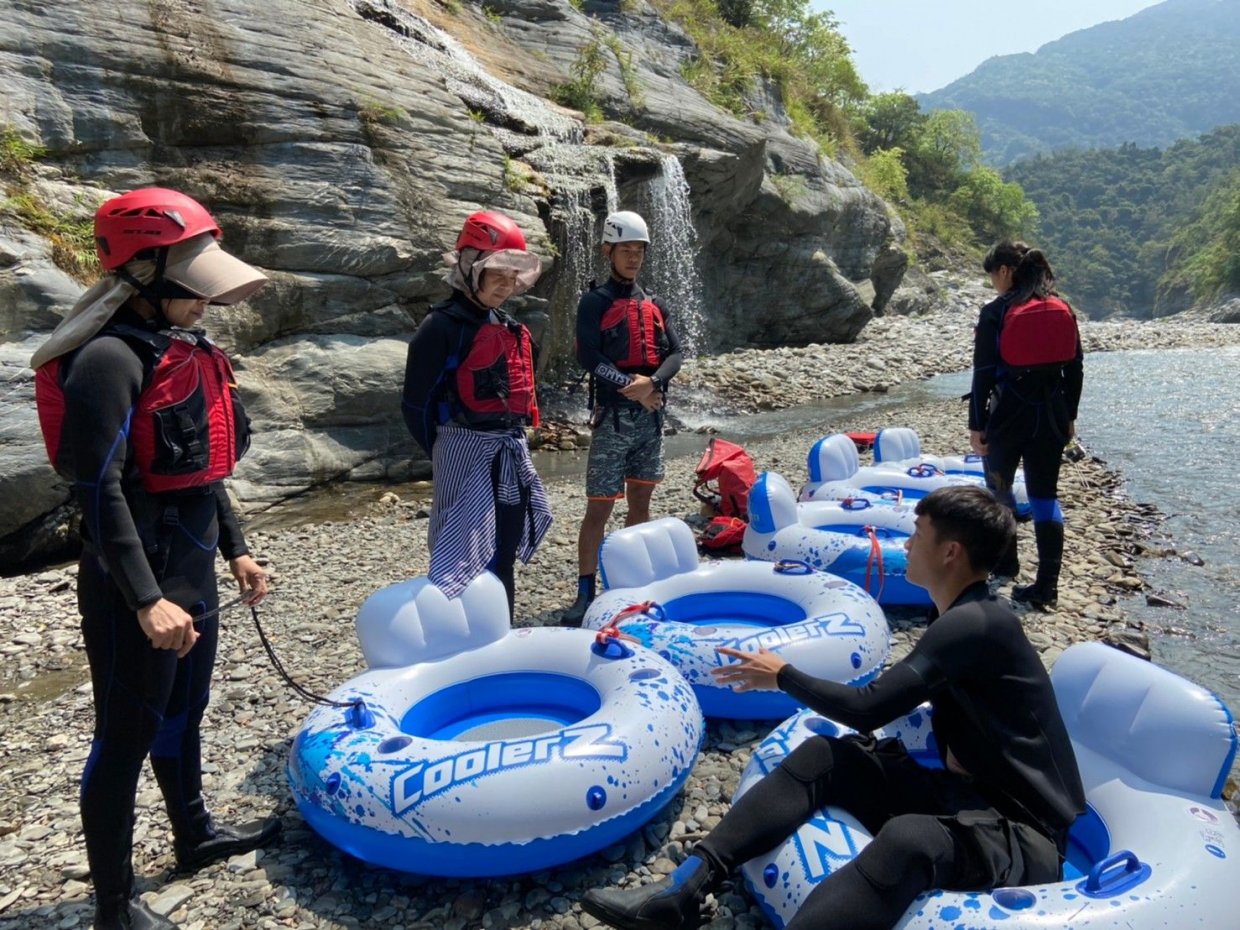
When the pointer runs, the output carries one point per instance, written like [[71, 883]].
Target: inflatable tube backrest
[[637, 555], [833, 458], [896, 444], [414, 621], [772, 503], [1145, 719]]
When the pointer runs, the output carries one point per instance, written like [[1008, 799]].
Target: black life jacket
[[188, 428]]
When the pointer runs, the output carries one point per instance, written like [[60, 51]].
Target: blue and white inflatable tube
[[856, 539], [899, 447], [836, 473], [822, 624], [1157, 848], [481, 751]]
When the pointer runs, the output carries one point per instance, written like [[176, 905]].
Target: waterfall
[[581, 178], [577, 201], [671, 263]]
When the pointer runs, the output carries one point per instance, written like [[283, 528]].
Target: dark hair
[[1007, 253], [972, 517], [1032, 277]]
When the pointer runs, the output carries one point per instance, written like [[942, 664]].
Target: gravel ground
[[323, 570]]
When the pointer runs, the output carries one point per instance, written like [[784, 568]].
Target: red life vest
[[188, 428], [1038, 333], [495, 380], [634, 336]]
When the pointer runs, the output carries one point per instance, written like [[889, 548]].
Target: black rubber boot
[[577, 611], [1009, 563], [225, 840], [1044, 592], [128, 914], [198, 840], [671, 904]]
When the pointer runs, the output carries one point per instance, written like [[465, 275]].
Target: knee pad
[[1046, 510]]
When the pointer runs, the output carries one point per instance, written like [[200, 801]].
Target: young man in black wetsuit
[[996, 814]]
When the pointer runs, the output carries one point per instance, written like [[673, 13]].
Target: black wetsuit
[[607, 378], [138, 548], [1003, 824], [1023, 416]]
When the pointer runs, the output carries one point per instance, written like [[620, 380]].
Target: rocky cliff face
[[341, 143]]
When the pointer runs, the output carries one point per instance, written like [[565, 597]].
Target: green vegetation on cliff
[[1141, 232], [927, 165]]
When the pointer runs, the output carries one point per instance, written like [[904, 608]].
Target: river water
[[1169, 421]]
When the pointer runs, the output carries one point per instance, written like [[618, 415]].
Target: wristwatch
[[658, 383]]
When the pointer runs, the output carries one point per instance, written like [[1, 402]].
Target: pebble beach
[[322, 571]]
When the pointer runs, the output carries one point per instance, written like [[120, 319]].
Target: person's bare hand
[[167, 626], [639, 389], [977, 442], [251, 579], [755, 671], [653, 401]]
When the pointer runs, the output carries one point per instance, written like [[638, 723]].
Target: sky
[[922, 45]]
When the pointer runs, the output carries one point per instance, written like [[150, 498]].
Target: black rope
[[303, 691]]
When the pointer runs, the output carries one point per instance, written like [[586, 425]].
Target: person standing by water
[[468, 397], [629, 349], [996, 814], [1028, 373], [140, 411]]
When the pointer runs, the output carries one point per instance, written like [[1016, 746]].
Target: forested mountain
[[1169, 72], [1138, 231]]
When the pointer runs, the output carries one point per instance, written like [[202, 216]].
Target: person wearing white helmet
[[627, 345]]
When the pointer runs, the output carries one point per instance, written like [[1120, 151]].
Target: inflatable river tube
[[899, 447], [1157, 847], [836, 473], [659, 593], [477, 750], [857, 539]]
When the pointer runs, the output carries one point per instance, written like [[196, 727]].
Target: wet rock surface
[[322, 571]]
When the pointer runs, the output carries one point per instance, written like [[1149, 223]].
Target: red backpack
[[1038, 333], [731, 469], [723, 534]]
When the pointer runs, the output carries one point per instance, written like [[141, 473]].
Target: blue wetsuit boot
[[576, 613], [673, 903]]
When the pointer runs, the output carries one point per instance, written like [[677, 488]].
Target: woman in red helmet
[[468, 397], [139, 410]]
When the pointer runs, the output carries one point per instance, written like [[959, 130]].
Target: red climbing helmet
[[151, 217], [490, 232]]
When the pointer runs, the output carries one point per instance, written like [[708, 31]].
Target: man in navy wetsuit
[[996, 814]]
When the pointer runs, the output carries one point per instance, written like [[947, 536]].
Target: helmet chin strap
[[149, 292]]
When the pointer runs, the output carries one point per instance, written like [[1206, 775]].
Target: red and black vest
[[1039, 333], [494, 382], [634, 336], [188, 428]]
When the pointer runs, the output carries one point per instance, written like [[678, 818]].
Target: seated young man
[[996, 814]]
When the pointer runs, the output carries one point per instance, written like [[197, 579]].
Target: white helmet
[[625, 226]]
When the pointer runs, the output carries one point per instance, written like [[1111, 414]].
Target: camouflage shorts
[[627, 446]]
